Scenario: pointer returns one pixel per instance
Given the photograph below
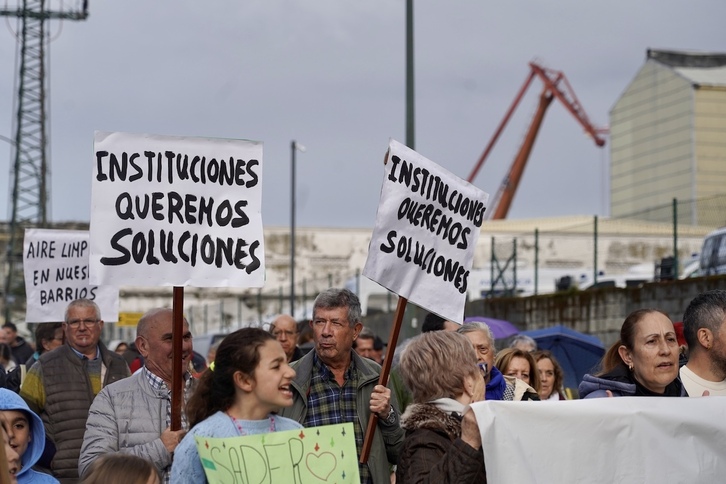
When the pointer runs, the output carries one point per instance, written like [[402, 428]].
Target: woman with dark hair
[[644, 362], [550, 375], [249, 381]]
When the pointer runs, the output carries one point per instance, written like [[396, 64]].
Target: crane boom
[[557, 86], [505, 195]]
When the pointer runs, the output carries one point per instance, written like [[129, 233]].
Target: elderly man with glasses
[[284, 329], [61, 386]]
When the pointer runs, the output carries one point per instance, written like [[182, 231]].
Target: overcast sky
[[331, 74]]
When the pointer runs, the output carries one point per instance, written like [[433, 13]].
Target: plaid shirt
[[329, 403], [159, 384]]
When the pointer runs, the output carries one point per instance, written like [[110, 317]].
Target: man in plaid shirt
[[334, 385]]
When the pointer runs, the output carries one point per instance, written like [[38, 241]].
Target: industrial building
[[668, 137]]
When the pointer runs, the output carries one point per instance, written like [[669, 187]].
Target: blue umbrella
[[500, 328], [577, 353]]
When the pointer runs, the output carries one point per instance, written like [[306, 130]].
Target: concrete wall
[[600, 312]]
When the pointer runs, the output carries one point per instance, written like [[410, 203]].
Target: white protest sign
[[426, 230], [55, 265], [176, 211], [604, 440]]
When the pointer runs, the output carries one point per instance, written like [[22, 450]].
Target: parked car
[[713, 253]]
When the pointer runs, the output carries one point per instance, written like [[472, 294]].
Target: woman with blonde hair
[[520, 364], [442, 443]]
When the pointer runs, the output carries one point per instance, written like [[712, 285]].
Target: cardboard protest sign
[[55, 265], [176, 211], [604, 440], [316, 454], [426, 231]]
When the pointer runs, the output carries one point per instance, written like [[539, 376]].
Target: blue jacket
[[596, 387], [10, 400]]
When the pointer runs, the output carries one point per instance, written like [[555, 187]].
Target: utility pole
[[29, 197], [410, 99]]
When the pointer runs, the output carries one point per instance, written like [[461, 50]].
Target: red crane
[[555, 86]]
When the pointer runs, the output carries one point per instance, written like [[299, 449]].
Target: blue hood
[[10, 400]]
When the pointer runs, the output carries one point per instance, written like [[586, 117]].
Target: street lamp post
[[410, 100], [294, 147]]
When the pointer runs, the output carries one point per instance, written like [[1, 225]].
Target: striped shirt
[[159, 384]]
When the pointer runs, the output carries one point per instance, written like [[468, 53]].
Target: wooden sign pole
[[383, 379], [177, 375]]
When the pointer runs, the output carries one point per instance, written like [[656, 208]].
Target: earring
[[630, 367]]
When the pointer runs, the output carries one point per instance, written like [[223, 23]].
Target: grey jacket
[[129, 417], [388, 439]]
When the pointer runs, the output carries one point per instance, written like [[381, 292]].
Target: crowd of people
[[74, 410]]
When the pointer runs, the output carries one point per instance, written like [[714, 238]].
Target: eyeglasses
[[75, 323], [279, 333]]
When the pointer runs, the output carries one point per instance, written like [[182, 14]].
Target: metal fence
[[539, 260], [659, 243]]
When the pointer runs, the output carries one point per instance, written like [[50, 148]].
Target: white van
[[713, 253]]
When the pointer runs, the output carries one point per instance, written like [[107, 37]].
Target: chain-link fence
[[660, 243]]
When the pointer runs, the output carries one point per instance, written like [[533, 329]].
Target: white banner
[[176, 211], [605, 440], [426, 231], [55, 265]]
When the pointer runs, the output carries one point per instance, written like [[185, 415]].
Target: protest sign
[[604, 440], [55, 265], [426, 231], [315, 454], [176, 211]]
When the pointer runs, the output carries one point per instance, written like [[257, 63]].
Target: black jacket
[[433, 451], [22, 351]]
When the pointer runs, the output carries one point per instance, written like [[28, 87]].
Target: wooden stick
[[177, 376], [383, 379]]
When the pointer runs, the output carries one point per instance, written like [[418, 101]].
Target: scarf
[[496, 386], [449, 406]]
